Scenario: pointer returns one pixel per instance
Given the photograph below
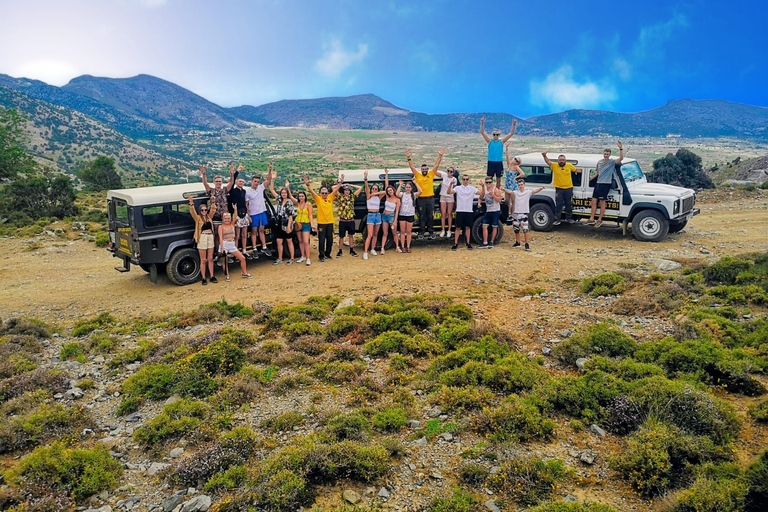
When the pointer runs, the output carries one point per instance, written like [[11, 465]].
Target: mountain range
[[145, 106]]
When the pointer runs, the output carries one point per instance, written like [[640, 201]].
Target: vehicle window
[[537, 174], [576, 178], [631, 171], [119, 213], [165, 215]]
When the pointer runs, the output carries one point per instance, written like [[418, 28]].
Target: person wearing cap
[[496, 149], [426, 201], [347, 217], [563, 182], [522, 209], [324, 203]]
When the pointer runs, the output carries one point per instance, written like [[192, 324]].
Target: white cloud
[[651, 40], [337, 59], [560, 90], [53, 72]]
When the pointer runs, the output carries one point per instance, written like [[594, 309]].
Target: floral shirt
[[219, 198], [285, 211], [347, 207]]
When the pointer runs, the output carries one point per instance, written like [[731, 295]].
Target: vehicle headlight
[[676, 208]]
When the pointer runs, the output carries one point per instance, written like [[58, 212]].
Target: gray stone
[[197, 504], [570, 499], [436, 475], [105, 508], [172, 399], [588, 457], [176, 453], [434, 412], [383, 493], [133, 417], [665, 265], [566, 333], [597, 430], [156, 467], [172, 502], [349, 301], [446, 436], [413, 423], [351, 496], [492, 506], [704, 250], [580, 362], [74, 394], [111, 442], [546, 351], [422, 441]]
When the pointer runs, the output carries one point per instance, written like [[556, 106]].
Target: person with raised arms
[[373, 220], [491, 196], [347, 217], [522, 209], [257, 210], [218, 194], [563, 182], [239, 210], [407, 212], [303, 223], [465, 198], [605, 169], [285, 215], [204, 237], [446, 201], [325, 221], [510, 183], [425, 180], [496, 149]]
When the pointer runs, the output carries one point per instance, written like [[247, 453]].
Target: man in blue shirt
[[496, 150]]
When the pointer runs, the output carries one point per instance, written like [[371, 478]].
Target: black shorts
[[406, 218], [601, 191], [464, 220], [495, 169], [346, 227], [281, 234]]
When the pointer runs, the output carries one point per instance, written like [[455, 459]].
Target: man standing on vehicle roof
[[257, 209], [561, 170], [605, 170], [426, 201], [218, 195], [324, 202], [496, 150]]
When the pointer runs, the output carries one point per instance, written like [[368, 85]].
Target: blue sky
[[525, 58]]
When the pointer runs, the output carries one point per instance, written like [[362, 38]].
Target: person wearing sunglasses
[[496, 150], [325, 221], [446, 201], [522, 209], [218, 195], [465, 197], [510, 183], [426, 202], [491, 196], [204, 237]]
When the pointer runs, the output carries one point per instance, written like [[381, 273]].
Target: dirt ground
[[63, 280]]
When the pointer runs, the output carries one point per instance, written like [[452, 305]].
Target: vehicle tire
[[650, 226], [541, 217], [184, 267], [477, 231], [675, 227]]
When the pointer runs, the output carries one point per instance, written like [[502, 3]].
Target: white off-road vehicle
[[652, 209]]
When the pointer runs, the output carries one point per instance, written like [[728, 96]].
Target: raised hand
[[342, 178], [306, 180], [400, 183], [202, 170], [514, 123], [618, 143], [408, 154], [386, 171], [482, 120], [544, 154], [271, 166], [287, 184], [231, 169], [365, 175], [441, 152], [241, 167]]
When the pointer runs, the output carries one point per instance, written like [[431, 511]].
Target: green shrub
[[514, 420], [26, 327], [78, 472], [102, 321], [528, 481], [455, 312], [472, 473], [389, 420], [283, 422], [451, 333], [756, 477], [408, 322], [393, 341], [217, 457], [351, 425], [262, 375], [599, 339], [725, 270], [626, 369], [459, 501], [454, 399], [585, 396], [486, 349], [281, 317], [101, 239], [353, 327], [282, 491], [707, 495], [759, 411], [327, 302], [50, 380], [219, 358], [129, 405], [512, 374], [154, 382], [339, 372], [227, 480], [39, 423], [603, 284], [73, 350], [739, 294], [176, 420]]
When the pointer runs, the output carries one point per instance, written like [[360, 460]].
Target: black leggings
[[563, 197], [324, 239], [426, 213]]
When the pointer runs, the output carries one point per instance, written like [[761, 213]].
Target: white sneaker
[[373, 251], [301, 260], [365, 255], [442, 234], [447, 234], [309, 262]]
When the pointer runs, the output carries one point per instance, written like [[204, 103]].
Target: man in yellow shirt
[[324, 203], [426, 201], [561, 171]]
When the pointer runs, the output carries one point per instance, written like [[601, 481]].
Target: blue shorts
[[374, 218], [389, 218], [306, 227], [259, 220], [491, 218]]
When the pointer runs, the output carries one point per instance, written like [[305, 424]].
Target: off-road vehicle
[[652, 209], [151, 227]]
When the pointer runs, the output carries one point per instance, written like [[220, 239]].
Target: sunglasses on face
[[203, 209], [464, 179]]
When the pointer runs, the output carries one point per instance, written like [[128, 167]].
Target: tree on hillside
[[683, 169], [14, 159], [100, 174], [37, 196]]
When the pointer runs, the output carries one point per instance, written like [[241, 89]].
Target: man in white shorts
[[465, 198], [446, 201], [257, 210], [522, 209]]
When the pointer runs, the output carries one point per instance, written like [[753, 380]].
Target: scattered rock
[[446, 436], [351, 496], [176, 453], [665, 265], [491, 505], [422, 441], [156, 467], [580, 362], [570, 499], [588, 456], [105, 508], [74, 394], [704, 250], [597, 430], [197, 504], [566, 333], [172, 502], [413, 424], [349, 301], [546, 351], [383, 493], [436, 475], [434, 412]]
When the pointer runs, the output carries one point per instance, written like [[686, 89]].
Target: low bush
[[222, 310], [87, 326], [49, 380], [73, 350], [626, 369], [528, 481], [739, 294], [514, 420], [472, 473], [706, 495], [129, 405], [219, 358], [154, 382], [392, 341], [603, 284], [452, 333], [339, 372], [458, 501], [726, 270], [408, 322], [454, 399], [486, 349], [759, 411], [561, 506], [26, 327], [511, 374], [352, 425], [227, 480], [229, 450], [624, 416], [39, 423], [283, 422], [585, 396], [600, 339], [348, 327], [455, 312], [756, 477], [389, 420], [78, 472], [177, 420], [284, 316]]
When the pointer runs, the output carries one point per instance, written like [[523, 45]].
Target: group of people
[[234, 209]]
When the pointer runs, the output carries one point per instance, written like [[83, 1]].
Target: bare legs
[[206, 262], [405, 234], [370, 240], [446, 215], [304, 244]]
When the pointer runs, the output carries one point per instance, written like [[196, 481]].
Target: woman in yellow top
[[204, 237], [304, 220]]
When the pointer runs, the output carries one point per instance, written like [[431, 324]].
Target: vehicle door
[[613, 202], [582, 191], [121, 229]]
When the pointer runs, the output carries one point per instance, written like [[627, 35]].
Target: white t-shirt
[[446, 184], [465, 196], [255, 199], [523, 201]]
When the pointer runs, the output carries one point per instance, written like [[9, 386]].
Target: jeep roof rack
[[142, 196]]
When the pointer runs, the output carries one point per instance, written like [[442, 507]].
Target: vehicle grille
[[688, 204]]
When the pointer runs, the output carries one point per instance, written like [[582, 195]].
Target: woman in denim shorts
[[373, 201], [389, 217]]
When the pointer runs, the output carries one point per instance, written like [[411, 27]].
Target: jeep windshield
[[631, 171]]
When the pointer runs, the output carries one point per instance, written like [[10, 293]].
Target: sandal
[[408, 250], [228, 279], [246, 276]]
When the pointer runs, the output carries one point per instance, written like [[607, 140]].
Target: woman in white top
[[446, 201], [510, 182], [373, 201], [389, 217], [407, 212]]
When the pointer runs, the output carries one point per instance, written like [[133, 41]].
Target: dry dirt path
[[66, 280]]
